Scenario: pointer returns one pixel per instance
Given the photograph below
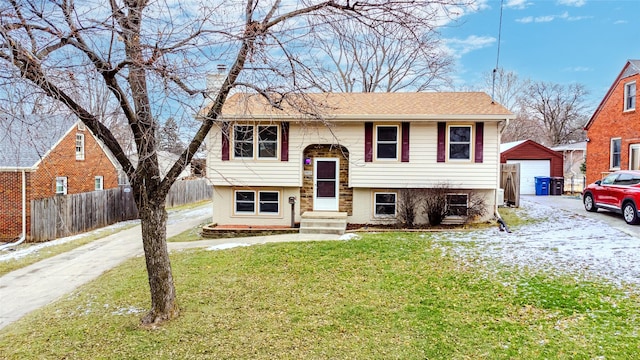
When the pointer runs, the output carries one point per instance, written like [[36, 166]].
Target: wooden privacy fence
[[510, 182], [66, 215]]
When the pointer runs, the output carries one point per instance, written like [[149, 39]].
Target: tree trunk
[[153, 218]]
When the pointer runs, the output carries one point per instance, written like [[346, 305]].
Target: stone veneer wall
[[306, 192]]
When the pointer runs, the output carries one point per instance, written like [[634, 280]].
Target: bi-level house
[[350, 153], [613, 132], [43, 157]]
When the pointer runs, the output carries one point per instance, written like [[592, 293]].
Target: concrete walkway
[[34, 286]]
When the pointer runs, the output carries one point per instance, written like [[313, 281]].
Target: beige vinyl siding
[[422, 171], [224, 201], [245, 172]]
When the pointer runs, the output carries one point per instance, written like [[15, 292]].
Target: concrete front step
[[323, 222]]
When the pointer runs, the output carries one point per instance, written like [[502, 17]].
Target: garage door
[[529, 169]]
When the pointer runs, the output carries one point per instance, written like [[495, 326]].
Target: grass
[[516, 217], [385, 296]]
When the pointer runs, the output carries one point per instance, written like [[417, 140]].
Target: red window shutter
[[284, 141], [368, 142], [225, 141], [405, 142], [442, 128], [479, 141]]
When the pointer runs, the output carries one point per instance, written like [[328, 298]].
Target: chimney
[[215, 81]]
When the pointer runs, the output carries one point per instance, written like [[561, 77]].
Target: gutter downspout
[[24, 215], [503, 225]]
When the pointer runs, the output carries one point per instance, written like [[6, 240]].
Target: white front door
[[326, 181]]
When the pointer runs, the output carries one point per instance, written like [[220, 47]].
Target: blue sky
[[560, 41]]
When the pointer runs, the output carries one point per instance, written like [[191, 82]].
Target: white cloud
[[550, 18], [459, 47], [547, 18], [619, 22], [567, 17], [525, 20], [517, 4], [576, 3], [578, 69]]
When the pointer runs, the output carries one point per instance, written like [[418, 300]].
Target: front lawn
[[384, 296]]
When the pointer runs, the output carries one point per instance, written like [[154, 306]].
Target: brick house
[[613, 132], [43, 158]]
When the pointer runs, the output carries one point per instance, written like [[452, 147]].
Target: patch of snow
[[227, 246], [349, 236], [127, 311], [563, 242]]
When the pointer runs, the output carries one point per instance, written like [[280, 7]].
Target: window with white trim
[[99, 183], [268, 202], [385, 204], [61, 185], [79, 146], [245, 202], [459, 137], [264, 138], [457, 204], [616, 146], [630, 96], [386, 142]]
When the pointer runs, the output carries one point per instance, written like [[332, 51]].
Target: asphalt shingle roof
[[361, 105], [23, 142]]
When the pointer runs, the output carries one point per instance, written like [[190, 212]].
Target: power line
[[493, 86]]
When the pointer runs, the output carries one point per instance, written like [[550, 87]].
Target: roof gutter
[[24, 214]]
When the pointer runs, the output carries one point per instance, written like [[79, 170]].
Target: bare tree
[[506, 87], [387, 58], [152, 56], [559, 110]]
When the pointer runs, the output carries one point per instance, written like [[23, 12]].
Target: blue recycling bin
[[542, 185]]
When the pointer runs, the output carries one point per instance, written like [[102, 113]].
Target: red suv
[[618, 192]]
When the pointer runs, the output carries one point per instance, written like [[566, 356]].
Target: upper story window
[[386, 142], [248, 138], [630, 96], [459, 142], [616, 146], [61, 185], [79, 146]]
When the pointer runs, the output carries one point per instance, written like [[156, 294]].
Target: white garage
[[535, 160], [529, 169]]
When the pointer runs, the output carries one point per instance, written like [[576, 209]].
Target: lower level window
[[385, 204], [268, 202], [457, 204], [99, 183], [245, 202], [61, 185]]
